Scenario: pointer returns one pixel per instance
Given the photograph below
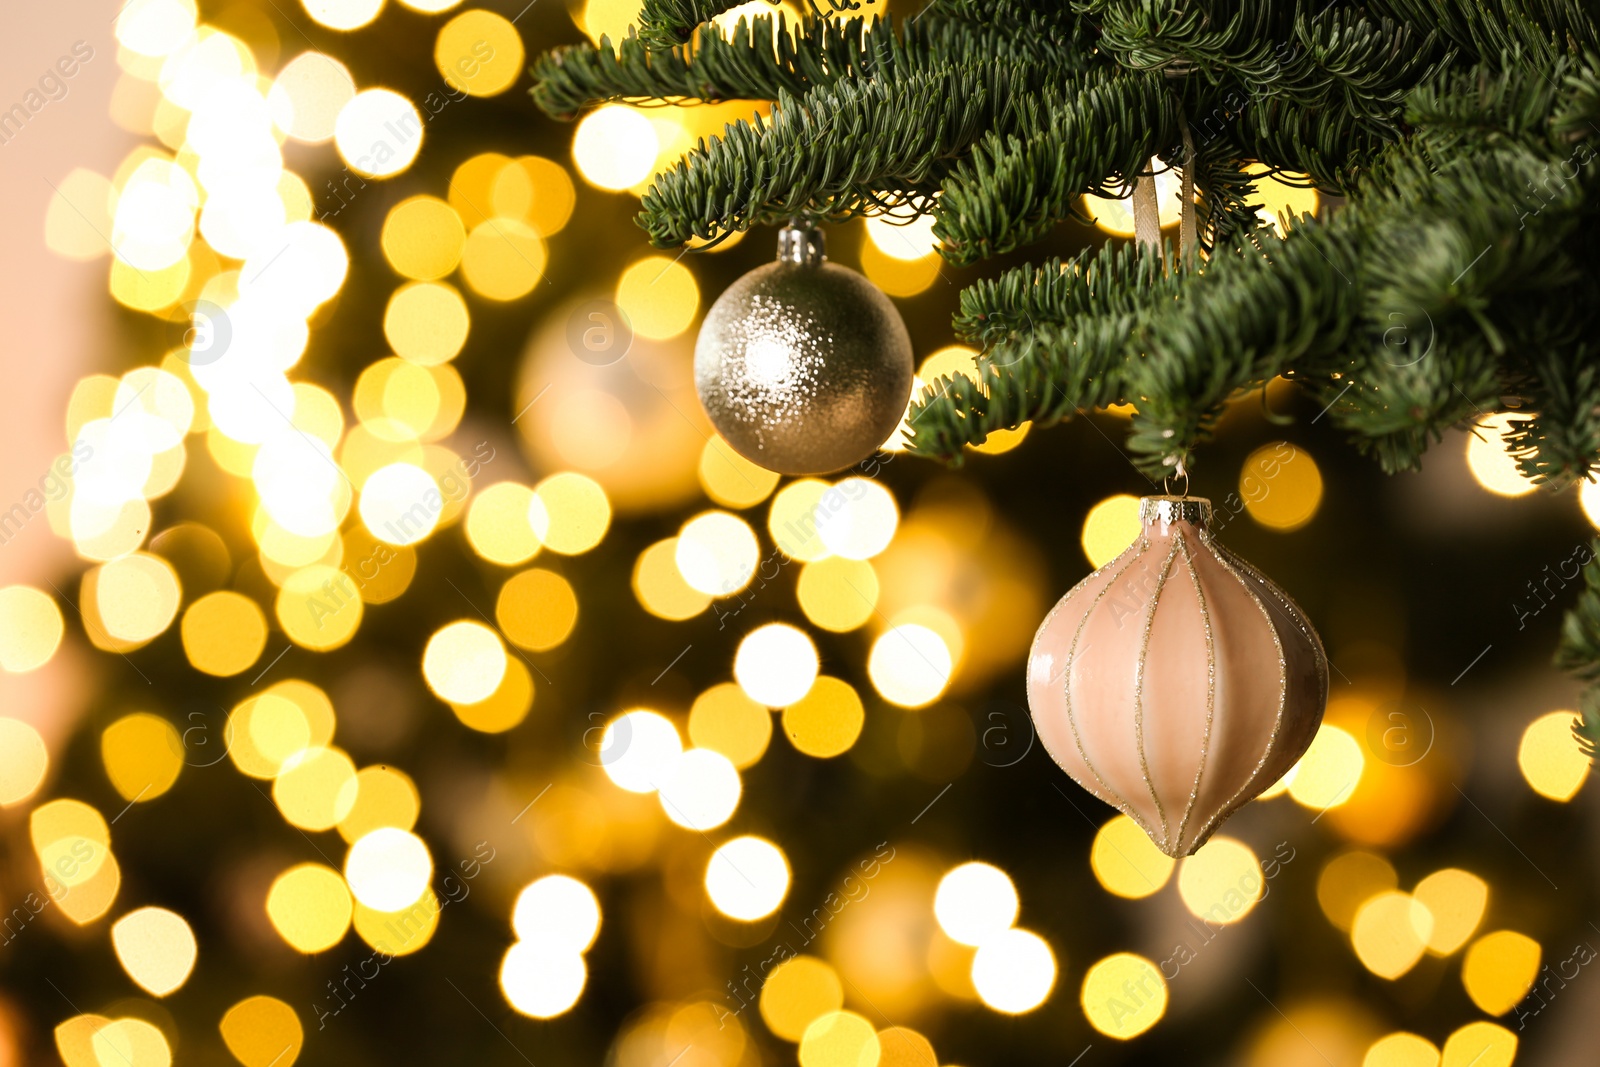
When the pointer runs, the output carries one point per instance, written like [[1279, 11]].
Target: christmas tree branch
[[1579, 650]]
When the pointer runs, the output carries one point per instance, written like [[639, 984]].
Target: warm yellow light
[[856, 518], [319, 607], [400, 932], [1281, 486], [1494, 468], [1014, 971], [902, 239], [1401, 1050], [717, 553], [143, 755], [839, 1039], [223, 633], [1328, 773], [792, 520], [838, 594], [308, 94], [899, 277], [1123, 995], [156, 27], [31, 628], [557, 914], [1348, 881], [570, 513], [423, 238], [659, 296], [747, 878], [400, 504], [700, 789], [156, 947], [388, 869], [542, 984], [638, 749], [316, 788], [262, 1031], [1499, 969], [23, 761], [615, 147], [95, 1041], [1109, 528], [827, 721], [1221, 882], [307, 269], [479, 53], [309, 905], [1126, 862], [1549, 756], [503, 259], [1390, 932], [534, 189], [799, 991], [536, 609], [464, 662], [378, 133], [660, 586], [975, 902], [135, 597], [1274, 198], [79, 217], [1480, 1045], [426, 322], [384, 797], [776, 664], [725, 720], [343, 14], [1457, 900], [910, 665], [497, 524], [730, 479]]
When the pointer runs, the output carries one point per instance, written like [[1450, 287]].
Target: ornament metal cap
[[801, 242], [1195, 510]]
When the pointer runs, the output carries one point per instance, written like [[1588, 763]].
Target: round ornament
[[804, 366], [1176, 682]]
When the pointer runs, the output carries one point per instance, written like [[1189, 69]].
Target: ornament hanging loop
[[1181, 472], [801, 242]]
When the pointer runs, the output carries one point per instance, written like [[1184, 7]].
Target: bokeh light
[[776, 664], [700, 789], [1126, 862], [540, 983], [717, 553], [659, 296], [31, 628], [615, 147], [798, 992], [479, 53], [1499, 969], [388, 869], [1221, 882], [310, 907], [1390, 932], [156, 947], [378, 133], [1111, 526], [975, 902], [826, 721], [1494, 468], [1549, 756], [1123, 995], [1014, 971], [725, 720], [557, 914], [638, 749], [23, 761], [464, 662], [910, 665], [747, 878], [1281, 486]]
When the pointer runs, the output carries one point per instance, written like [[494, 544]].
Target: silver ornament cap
[[804, 366]]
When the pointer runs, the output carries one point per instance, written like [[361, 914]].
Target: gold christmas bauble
[[1176, 683], [804, 366]]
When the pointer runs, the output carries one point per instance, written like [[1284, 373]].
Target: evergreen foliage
[[1456, 278]]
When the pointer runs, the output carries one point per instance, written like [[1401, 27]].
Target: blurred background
[[396, 667]]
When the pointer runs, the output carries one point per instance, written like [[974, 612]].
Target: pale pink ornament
[[1176, 682]]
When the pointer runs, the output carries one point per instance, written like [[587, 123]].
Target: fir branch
[[1578, 651], [764, 57], [1093, 136], [664, 24], [906, 128]]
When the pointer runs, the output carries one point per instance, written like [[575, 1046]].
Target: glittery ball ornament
[[1176, 682], [804, 366]]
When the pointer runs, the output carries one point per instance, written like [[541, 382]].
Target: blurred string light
[[1390, 932], [1491, 465], [1014, 972], [343, 14], [659, 296], [797, 993], [1329, 772], [388, 869], [975, 902], [143, 756], [638, 748], [776, 664], [723, 719], [747, 878], [556, 919], [1126, 862], [31, 628], [1222, 882], [1123, 995], [1109, 527], [1551, 761], [1281, 486], [1499, 970], [826, 721], [156, 947], [947, 363], [24, 760]]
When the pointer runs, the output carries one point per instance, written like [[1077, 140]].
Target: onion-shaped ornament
[[804, 366], [1176, 682]]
